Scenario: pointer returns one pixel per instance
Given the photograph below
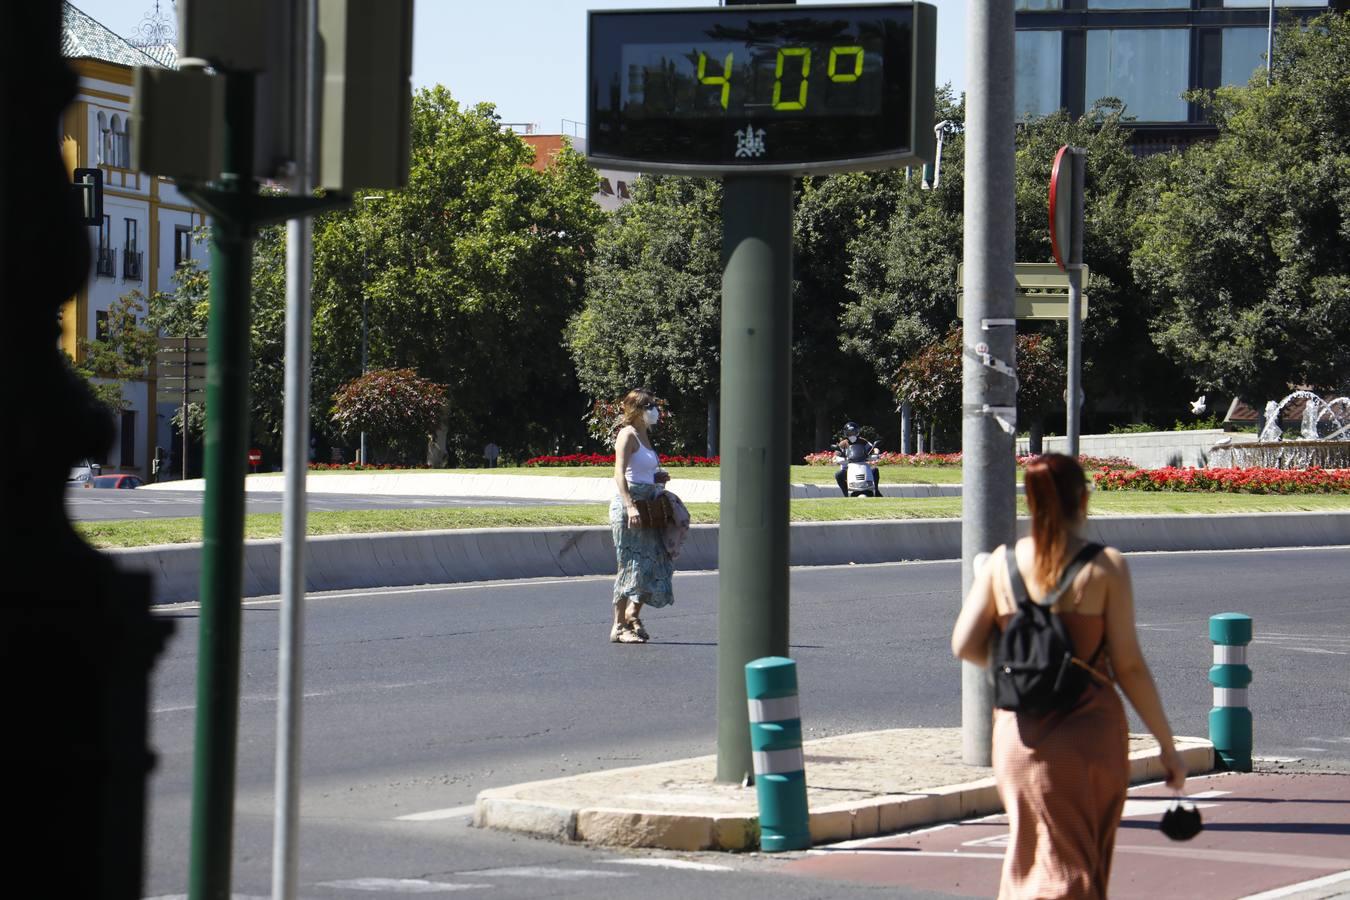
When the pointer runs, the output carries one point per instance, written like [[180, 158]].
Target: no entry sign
[[1061, 205]]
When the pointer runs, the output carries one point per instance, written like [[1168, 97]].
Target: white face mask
[[653, 416]]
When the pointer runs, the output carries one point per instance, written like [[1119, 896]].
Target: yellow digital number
[[724, 79], [835, 53], [783, 54]]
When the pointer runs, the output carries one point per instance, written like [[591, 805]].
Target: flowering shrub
[[397, 406], [603, 459], [826, 458], [1232, 481]]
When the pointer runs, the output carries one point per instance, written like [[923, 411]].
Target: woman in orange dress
[[1062, 776]]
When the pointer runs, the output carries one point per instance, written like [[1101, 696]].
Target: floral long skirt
[[645, 568]]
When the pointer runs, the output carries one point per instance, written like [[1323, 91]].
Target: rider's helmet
[[851, 431]]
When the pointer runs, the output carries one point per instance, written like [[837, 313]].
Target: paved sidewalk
[[1266, 836], [859, 785]]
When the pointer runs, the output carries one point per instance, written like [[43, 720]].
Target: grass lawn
[[800, 474], [144, 532]]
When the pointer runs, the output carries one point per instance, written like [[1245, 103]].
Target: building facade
[[1146, 53], [147, 228]]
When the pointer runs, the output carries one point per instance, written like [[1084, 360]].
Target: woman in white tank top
[[645, 567]]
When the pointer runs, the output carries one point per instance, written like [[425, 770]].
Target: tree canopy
[[1244, 245]]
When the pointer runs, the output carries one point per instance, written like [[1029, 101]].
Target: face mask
[[653, 416], [1181, 823], [853, 439]]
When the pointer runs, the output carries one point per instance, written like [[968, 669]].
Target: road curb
[[625, 826], [401, 559]]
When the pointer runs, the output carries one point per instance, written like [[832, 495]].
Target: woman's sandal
[[635, 624], [621, 633]]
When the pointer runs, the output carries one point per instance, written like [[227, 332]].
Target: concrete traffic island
[[858, 785]]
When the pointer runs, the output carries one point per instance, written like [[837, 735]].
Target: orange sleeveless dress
[[1062, 778]]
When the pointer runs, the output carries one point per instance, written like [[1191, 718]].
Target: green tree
[[903, 275], [471, 273], [830, 214], [123, 351], [1244, 245], [652, 313]]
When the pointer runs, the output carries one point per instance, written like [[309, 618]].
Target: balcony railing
[[107, 262], [131, 265]]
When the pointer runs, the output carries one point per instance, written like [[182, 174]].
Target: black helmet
[[851, 429]]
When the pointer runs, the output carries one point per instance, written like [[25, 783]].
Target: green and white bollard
[[1230, 721], [776, 745]]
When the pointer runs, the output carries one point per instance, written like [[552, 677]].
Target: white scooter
[[858, 480]]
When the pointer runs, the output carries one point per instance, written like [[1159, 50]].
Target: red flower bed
[[607, 459], [1230, 481], [949, 460], [355, 467]]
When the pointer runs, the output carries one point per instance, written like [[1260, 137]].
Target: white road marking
[[547, 873], [906, 854], [401, 885], [1289, 891], [454, 812], [144, 512], [1277, 759], [1319, 650], [663, 863], [1158, 807]]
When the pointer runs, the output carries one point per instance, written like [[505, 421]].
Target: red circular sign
[[1061, 196], [255, 456]]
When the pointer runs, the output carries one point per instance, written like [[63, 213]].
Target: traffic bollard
[[1230, 721], [776, 743]]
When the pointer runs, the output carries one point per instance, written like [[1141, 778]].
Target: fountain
[[1321, 440]]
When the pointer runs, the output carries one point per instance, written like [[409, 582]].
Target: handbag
[[656, 512]]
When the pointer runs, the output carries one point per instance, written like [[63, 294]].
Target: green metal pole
[[223, 513], [752, 545]]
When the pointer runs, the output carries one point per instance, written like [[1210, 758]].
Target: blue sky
[[526, 56]]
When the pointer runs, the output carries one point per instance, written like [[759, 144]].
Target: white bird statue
[[1198, 406]]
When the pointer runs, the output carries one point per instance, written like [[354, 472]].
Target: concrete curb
[[626, 826], [345, 562]]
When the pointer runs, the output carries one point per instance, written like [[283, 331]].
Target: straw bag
[[656, 512]]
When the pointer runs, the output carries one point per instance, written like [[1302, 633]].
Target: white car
[[83, 470]]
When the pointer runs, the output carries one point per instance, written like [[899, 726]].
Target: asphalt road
[[91, 504], [417, 698]]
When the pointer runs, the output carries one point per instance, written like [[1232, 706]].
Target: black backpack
[[1035, 670]]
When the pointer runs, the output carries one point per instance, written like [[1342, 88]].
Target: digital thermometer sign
[[749, 89]]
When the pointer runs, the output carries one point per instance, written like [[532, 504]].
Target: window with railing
[[131, 264], [105, 263], [131, 254], [182, 244]]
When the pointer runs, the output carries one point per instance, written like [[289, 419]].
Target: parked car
[[83, 470], [124, 482]]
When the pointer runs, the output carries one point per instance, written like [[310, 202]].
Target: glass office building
[[1145, 53]]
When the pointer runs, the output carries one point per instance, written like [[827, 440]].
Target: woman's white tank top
[[642, 466]]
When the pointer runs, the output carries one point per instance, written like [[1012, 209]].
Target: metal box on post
[[366, 52], [250, 36], [177, 116]]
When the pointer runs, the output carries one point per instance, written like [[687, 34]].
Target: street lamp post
[[365, 296]]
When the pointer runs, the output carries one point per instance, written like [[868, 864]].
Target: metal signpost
[[180, 375], [1066, 240], [988, 371], [756, 97], [219, 123]]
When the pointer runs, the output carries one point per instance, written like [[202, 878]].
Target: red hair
[[1055, 485]]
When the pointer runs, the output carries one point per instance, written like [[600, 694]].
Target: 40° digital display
[[800, 89]]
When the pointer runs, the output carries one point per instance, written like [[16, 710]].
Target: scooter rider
[[855, 449]]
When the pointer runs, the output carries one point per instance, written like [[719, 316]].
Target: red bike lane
[[1263, 833]]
